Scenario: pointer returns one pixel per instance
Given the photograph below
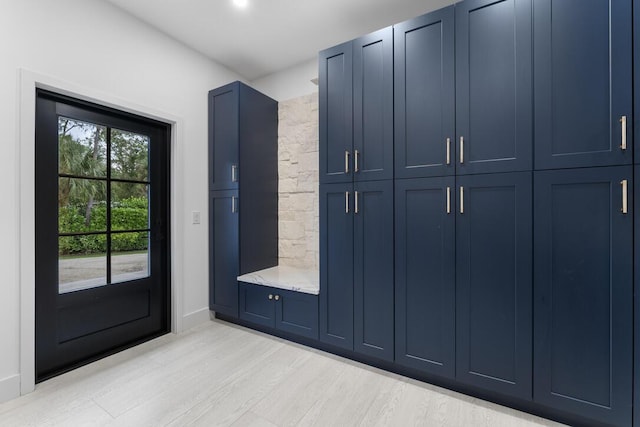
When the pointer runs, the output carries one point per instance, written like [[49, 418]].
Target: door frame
[[28, 82]]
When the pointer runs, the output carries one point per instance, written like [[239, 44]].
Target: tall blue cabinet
[[513, 231], [243, 190], [356, 195]]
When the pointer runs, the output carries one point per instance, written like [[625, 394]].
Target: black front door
[[102, 263]]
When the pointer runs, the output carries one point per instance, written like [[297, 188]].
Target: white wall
[[290, 83], [93, 45]]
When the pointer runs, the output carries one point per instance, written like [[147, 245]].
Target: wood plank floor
[[221, 374]]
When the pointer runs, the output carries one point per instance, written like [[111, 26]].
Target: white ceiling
[[270, 35]]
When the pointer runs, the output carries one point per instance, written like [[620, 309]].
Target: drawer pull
[[623, 126], [346, 161]]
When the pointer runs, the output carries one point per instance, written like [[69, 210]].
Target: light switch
[[195, 215]]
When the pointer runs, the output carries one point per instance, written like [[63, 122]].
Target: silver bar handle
[[623, 125], [346, 161], [461, 149], [448, 200], [234, 208], [234, 173], [625, 208], [461, 199], [356, 208], [448, 151], [356, 168], [346, 202]]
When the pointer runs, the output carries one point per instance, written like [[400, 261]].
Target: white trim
[[195, 318], [25, 152], [9, 388]]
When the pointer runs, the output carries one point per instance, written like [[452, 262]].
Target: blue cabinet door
[[493, 86], [373, 106], [257, 304], [224, 137], [583, 82], [336, 116], [223, 252], [297, 313], [494, 279], [373, 264], [584, 292], [425, 274], [424, 96], [336, 264]]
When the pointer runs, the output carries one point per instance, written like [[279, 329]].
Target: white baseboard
[[195, 318], [9, 388]]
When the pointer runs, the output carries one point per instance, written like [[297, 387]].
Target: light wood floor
[[220, 374]]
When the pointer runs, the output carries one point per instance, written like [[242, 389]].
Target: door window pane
[[129, 256], [129, 155], [81, 148], [82, 205], [82, 262], [129, 206]]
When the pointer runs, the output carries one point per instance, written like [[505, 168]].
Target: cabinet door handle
[[270, 297], [461, 199], [355, 155], [234, 208], [346, 161], [448, 151], [356, 208], [277, 297], [234, 173], [461, 149], [448, 200], [624, 184], [623, 126], [346, 202]]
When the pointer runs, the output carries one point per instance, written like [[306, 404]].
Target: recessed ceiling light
[[241, 3]]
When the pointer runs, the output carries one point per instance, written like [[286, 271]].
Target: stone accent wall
[[298, 163]]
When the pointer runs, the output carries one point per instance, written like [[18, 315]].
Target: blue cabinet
[[335, 99], [224, 252], [583, 83], [243, 205], [494, 282], [425, 274], [356, 109], [289, 311], [356, 267], [223, 137], [336, 264], [493, 86], [373, 268], [424, 90], [373, 106], [584, 292]]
